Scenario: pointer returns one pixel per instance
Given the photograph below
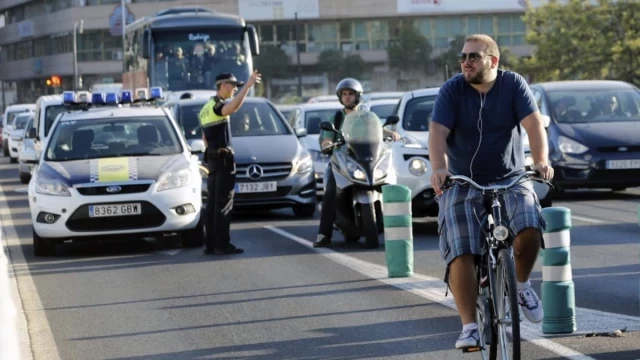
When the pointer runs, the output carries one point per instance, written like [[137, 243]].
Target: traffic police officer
[[214, 119]]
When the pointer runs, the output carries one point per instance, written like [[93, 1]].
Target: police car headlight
[[51, 187], [175, 180], [303, 165]]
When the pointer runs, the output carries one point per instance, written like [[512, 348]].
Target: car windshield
[[11, 115], [102, 138], [313, 118], [21, 122], [257, 119], [417, 114], [590, 106], [383, 111], [51, 112]]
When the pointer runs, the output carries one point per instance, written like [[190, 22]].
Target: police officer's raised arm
[[233, 106]]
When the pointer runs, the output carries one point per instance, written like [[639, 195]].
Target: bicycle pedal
[[472, 349]]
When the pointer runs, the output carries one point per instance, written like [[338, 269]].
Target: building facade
[[37, 39]]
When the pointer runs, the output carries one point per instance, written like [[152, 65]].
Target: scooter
[[360, 169]]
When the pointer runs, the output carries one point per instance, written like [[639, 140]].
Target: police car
[[111, 168]]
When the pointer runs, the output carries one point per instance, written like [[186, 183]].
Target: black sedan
[[594, 132]]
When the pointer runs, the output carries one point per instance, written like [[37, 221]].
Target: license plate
[[623, 164], [114, 210], [257, 187]]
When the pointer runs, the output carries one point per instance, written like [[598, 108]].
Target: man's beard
[[479, 78]]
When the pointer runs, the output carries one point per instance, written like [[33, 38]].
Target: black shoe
[[228, 250], [322, 242]]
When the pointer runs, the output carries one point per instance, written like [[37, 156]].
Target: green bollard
[[398, 230], [558, 291]]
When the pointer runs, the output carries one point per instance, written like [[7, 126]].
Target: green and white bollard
[[398, 230], [558, 291]]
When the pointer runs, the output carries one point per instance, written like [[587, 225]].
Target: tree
[[411, 51], [448, 60], [340, 65], [272, 63], [582, 40]]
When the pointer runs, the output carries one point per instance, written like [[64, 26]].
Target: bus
[[185, 48]]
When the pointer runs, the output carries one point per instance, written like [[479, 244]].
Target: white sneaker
[[468, 338], [530, 305]]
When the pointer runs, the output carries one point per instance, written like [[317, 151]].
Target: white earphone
[[482, 101]]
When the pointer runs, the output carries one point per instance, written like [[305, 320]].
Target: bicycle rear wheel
[[507, 308]]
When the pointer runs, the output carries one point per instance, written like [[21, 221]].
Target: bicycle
[[496, 273]]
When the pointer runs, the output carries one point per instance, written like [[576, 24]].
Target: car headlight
[[51, 187], [356, 171], [317, 155], [16, 138], [412, 143], [381, 170], [175, 180], [303, 165], [417, 166], [569, 146]]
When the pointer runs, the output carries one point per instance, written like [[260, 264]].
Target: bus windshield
[[192, 59]]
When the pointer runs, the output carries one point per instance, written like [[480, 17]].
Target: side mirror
[[300, 132], [32, 133], [546, 120], [391, 120], [327, 126], [253, 40], [146, 43], [197, 146]]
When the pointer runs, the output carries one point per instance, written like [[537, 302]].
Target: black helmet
[[349, 84]]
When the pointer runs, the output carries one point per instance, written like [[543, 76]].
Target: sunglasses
[[473, 57]]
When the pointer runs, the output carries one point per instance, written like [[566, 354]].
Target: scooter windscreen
[[362, 132]]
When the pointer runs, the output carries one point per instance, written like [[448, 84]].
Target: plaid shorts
[[461, 228]]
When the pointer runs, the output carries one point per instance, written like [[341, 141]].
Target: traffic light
[[54, 81]]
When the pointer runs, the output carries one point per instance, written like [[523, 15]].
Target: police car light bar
[[111, 99], [68, 98], [156, 93], [126, 97], [97, 98]]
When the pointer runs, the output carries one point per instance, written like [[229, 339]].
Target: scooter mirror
[[327, 126], [391, 120]]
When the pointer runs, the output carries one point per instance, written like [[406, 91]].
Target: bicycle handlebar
[[450, 179]]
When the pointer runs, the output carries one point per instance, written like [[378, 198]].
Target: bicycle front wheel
[[507, 307]]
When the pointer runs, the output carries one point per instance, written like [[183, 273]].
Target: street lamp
[[77, 29]]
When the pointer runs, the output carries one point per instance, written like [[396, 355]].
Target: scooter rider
[[349, 92]]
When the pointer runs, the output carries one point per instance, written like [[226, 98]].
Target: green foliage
[[272, 62], [340, 65], [581, 40], [411, 51]]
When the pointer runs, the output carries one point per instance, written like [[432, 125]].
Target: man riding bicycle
[[475, 131]]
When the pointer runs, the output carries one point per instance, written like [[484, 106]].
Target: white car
[[17, 134], [114, 170], [10, 114], [309, 116], [29, 154], [383, 107], [414, 110]]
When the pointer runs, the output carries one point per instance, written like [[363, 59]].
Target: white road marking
[[22, 190], [168, 252], [32, 322], [586, 219], [434, 289]]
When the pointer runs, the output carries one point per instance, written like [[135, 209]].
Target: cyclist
[[475, 131], [349, 92]]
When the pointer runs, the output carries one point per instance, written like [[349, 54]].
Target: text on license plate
[[114, 210], [256, 187], [623, 164]]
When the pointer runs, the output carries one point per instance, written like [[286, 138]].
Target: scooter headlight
[[381, 170], [356, 171]]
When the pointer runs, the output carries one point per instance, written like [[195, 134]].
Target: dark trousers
[[328, 215], [220, 185]]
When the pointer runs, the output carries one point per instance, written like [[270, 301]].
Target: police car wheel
[[42, 246]]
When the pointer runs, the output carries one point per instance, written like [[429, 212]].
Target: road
[[283, 299]]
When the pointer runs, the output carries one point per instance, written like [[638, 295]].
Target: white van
[[9, 115], [48, 107]]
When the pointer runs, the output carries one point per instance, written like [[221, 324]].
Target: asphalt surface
[[282, 299]]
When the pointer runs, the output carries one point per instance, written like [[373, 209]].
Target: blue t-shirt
[[501, 153]]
